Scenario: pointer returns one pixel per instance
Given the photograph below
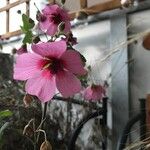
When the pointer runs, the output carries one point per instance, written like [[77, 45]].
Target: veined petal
[[52, 29], [42, 87], [26, 66], [50, 9], [67, 26], [44, 25], [67, 84], [73, 62], [88, 93], [54, 49]]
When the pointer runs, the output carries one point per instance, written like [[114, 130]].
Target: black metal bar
[[124, 136], [104, 121], [78, 102], [104, 106], [75, 134], [143, 119]]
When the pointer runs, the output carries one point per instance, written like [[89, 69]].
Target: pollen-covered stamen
[[53, 65], [47, 66]]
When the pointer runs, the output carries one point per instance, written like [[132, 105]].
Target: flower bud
[[27, 100], [146, 42], [46, 145], [22, 49], [36, 39]]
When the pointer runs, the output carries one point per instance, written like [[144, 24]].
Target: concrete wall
[[140, 68]]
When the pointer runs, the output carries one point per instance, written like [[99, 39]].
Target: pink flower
[[94, 92], [51, 17], [50, 67]]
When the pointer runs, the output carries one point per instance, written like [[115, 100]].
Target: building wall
[[140, 68]]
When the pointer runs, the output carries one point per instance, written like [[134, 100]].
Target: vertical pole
[[147, 109], [104, 124], [7, 18], [143, 119], [120, 79], [83, 4]]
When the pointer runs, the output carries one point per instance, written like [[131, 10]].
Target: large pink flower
[[50, 67], [51, 17], [94, 92]]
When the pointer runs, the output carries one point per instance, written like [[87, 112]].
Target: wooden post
[[83, 4], [7, 18]]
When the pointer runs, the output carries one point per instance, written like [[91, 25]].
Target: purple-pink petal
[[53, 49], [67, 84], [26, 66], [67, 26], [52, 29], [42, 87], [50, 9], [44, 24], [94, 92], [73, 62]]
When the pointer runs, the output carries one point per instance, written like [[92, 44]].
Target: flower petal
[[54, 49], [88, 93], [67, 26], [67, 84], [50, 9], [42, 87], [44, 25], [26, 66], [73, 62], [52, 29]]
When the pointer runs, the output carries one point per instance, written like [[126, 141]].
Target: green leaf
[[28, 23], [4, 126], [28, 37], [5, 113]]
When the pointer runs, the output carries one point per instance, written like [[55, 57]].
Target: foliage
[[28, 24]]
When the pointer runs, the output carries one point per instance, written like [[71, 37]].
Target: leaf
[[5, 113], [28, 37], [4, 126], [28, 23]]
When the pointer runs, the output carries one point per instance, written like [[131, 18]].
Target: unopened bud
[[27, 100], [14, 51], [36, 39], [146, 42], [61, 27], [46, 145], [81, 15]]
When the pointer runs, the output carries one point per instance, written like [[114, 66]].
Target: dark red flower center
[[56, 18], [54, 65], [42, 18]]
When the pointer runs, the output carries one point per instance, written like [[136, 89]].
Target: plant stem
[[42, 120]]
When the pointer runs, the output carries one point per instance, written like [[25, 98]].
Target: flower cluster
[[52, 66]]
